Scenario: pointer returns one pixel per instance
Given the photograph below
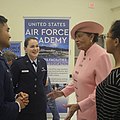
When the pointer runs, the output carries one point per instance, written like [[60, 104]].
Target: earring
[[91, 40]]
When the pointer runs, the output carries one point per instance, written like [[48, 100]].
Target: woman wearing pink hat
[[93, 65]]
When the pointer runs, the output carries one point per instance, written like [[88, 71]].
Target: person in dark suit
[[29, 75], [9, 105]]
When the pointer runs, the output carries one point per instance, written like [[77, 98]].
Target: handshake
[[22, 99]]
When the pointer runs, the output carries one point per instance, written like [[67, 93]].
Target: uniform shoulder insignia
[[19, 58]]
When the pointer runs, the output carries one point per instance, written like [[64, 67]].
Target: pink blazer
[[89, 71]]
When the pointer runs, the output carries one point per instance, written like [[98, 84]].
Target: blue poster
[[15, 47], [53, 37]]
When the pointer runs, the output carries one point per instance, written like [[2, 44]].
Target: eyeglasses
[[107, 36]]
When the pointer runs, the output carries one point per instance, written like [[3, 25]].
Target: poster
[[53, 37], [15, 47]]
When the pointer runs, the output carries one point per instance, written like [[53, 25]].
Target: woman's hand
[[55, 94], [72, 109]]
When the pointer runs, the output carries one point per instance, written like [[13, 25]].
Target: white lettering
[[31, 32], [37, 24], [52, 40], [59, 32]]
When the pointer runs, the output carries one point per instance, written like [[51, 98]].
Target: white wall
[[115, 9], [78, 10]]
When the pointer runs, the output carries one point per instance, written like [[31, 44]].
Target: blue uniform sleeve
[[15, 75], [8, 107]]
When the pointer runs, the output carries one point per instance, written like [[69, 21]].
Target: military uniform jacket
[[9, 109], [25, 79]]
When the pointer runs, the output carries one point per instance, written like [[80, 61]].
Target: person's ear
[[116, 42], [91, 37]]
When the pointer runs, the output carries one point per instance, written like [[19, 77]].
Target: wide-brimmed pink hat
[[87, 26]]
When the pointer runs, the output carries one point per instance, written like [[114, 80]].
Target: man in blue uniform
[[9, 106]]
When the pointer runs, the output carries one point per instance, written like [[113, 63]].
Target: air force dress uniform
[[9, 109], [31, 81]]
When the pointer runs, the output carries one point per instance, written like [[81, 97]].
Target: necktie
[[34, 64]]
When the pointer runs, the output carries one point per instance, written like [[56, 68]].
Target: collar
[[91, 49], [33, 61]]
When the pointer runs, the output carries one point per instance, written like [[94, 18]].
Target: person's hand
[[55, 94], [23, 99], [72, 109], [25, 96], [23, 102]]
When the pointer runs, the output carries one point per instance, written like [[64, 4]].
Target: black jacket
[[25, 79], [8, 108]]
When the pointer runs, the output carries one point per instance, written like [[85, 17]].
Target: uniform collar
[[29, 60], [33, 61]]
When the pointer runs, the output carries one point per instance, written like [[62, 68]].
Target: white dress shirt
[[34, 64]]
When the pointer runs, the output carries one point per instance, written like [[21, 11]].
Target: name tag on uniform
[[25, 71]]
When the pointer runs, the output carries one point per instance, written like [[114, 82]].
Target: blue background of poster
[[39, 24], [53, 38], [15, 47]]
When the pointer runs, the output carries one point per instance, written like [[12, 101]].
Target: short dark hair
[[95, 39], [28, 39], [115, 30], [3, 20]]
